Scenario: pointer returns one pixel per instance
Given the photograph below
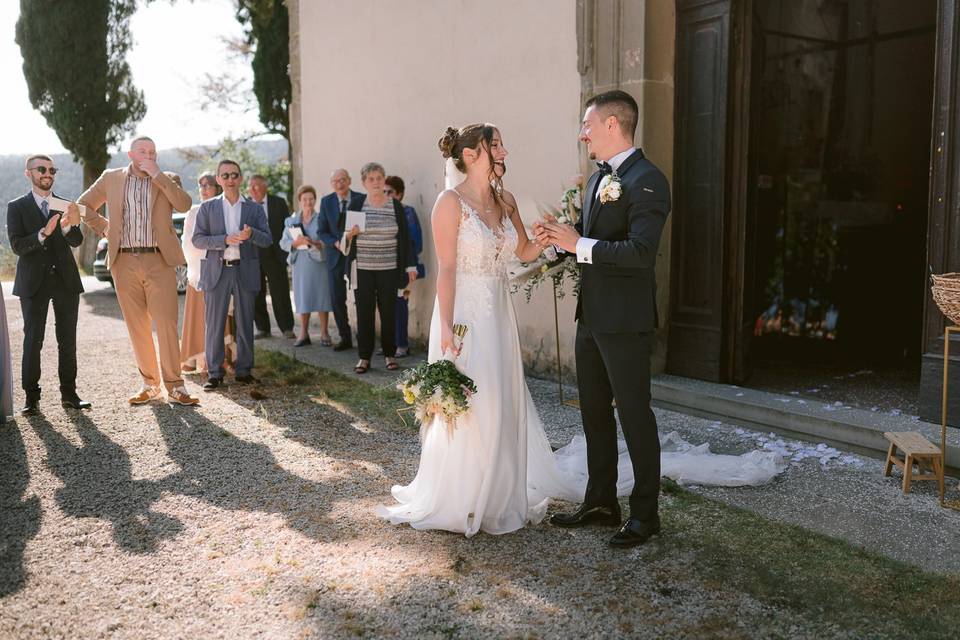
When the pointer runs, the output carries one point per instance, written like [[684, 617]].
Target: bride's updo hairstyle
[[454, 141]]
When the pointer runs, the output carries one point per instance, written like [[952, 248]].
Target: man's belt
[[231, 263], [139, 250]]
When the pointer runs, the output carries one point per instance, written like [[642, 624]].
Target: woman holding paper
[[380, 263], [311, 281]]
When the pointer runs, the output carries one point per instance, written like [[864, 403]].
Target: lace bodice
[[481, 250]]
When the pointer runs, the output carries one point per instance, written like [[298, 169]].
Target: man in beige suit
[[143, 256]]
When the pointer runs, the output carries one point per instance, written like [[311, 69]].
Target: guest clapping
[[311, 278], [194, 308], [381, 263], [395, 189], [46, 273], [229, 229]]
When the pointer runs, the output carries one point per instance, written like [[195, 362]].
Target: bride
[[494, 471]]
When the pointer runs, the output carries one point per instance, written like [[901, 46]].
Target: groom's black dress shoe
[[605, 516], [32, 408], [75, 403], [213, 383], [634, 533]]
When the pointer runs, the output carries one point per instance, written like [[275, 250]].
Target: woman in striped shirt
[[381, 262]]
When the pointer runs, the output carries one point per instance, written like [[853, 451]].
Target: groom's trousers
[[617, 366]]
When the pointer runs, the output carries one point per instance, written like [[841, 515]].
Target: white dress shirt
[[585, 245], [231, 220]]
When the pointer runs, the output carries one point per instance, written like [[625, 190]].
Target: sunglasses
[[43, 170], [233, 175]]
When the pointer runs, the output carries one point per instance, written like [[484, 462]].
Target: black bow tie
[[604, 168]]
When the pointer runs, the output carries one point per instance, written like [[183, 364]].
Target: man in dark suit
[[230, 229], [333, 216], [46, 271], [625, 206], [273, 263]]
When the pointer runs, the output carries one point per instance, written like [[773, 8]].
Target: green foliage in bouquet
[[436, 388]]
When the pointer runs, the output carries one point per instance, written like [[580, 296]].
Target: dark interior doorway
[[841, 137]]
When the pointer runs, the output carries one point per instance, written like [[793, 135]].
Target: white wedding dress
[[495, 471]]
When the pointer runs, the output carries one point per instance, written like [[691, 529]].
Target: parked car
[[102, 273]]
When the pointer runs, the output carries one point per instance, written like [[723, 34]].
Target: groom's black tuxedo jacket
[[24, 221], [618, 291]]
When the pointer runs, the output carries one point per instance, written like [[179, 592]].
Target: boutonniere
[[610, 188]]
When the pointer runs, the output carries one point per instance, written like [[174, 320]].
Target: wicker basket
[[946, 293]]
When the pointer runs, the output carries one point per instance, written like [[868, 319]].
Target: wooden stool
[[917, 450]]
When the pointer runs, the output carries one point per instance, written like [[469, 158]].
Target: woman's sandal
[[326, 341], [362, 368], [392, 365]]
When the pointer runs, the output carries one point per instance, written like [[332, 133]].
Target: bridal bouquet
[[558, 268], [437, 389]]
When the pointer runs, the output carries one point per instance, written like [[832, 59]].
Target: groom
[[626, 203]]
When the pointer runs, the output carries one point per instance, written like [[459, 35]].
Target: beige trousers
[[147, 292]]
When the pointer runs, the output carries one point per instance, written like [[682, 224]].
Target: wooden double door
[[745, 152]]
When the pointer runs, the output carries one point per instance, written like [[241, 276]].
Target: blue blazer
[[210, 233], [329, 216]]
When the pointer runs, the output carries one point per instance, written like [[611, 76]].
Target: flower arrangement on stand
[[557, 268]]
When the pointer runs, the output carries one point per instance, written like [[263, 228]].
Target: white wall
[[381, 80]]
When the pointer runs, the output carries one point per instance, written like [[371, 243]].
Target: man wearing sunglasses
[[230, 229], [46, 272], [144, 254]]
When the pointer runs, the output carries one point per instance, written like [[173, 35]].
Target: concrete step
[[844, 427]]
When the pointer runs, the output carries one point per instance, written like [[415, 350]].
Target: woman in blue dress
[[311, 285]]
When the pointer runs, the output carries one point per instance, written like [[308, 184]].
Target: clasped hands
[[240, 236], [69, 218], [304, 241], [548, 232]]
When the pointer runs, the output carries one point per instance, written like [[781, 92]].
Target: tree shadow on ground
[[19, 518], [98, 483], [102, 302], [238, 475]]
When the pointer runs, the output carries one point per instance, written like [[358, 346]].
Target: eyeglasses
[[389, 192], [43, 170], [233, 175], [207, 185]]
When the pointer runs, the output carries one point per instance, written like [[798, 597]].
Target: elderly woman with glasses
[[311, 278], [380, 263]]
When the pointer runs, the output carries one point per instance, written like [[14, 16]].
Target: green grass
[[822, 577], [732, 550], [360, 398]]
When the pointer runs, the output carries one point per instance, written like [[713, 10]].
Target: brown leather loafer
[[180, 396], [146, 394]]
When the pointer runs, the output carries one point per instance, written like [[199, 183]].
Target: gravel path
[[253, 518]]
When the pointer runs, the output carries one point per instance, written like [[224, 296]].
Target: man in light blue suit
[[230, 229]]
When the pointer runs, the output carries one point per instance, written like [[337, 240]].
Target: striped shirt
[[137, 229], [377, 245]]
